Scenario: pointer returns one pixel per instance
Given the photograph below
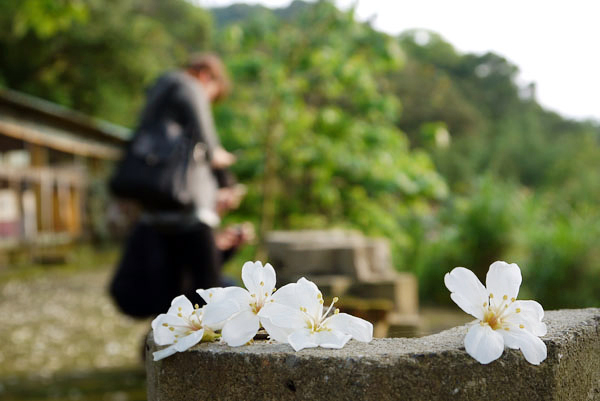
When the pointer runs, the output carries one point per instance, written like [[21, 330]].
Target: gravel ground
[[64, 322]]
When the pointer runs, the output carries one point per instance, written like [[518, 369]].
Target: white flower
[[297, 309], [503, 321], [235, 309], [181, 326]]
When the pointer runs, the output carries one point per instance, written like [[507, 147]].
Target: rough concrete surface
[[435, 367]]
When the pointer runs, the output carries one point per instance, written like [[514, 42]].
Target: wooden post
[[39, 158]]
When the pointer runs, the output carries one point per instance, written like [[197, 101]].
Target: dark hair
[[212, 63]]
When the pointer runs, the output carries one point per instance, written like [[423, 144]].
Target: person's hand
[[229, 198], [234, 236], [222, 158]]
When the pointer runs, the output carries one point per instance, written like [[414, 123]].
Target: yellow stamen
[[505, 297], [521, 326], [492, 319], [262, 283], [518, 310], [172, 328], [165, 324], [197, 306]]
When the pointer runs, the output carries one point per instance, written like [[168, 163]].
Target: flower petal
[[530, 315], [303, 293], [286, 295], [216, 313], [276, 333], [217, 294], [181, 305], [257, 278], [283, 316], [466, 291], [301, 339], [359, 329], [309, 297], [332, 339], [532, 346], [164, 335], [241, 328], [269, 277], [503, 279], [483, 343], [188, 341], [163, 353]]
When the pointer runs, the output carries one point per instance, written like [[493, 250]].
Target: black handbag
[[157, 167]]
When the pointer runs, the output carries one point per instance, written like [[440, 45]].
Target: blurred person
[[174, 252]]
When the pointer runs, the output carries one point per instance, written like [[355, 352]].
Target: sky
[[553, 42]]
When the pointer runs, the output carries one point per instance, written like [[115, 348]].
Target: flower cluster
[[181, 328], [294, 314], [502, 320]]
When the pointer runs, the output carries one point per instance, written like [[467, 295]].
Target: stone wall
[[429, 368]]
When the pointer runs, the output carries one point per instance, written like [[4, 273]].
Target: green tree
[[317, 127], [96, 56]]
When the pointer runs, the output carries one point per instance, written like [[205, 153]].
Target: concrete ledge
[[428, 368]]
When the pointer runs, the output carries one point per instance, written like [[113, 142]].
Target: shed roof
[[38, 121]]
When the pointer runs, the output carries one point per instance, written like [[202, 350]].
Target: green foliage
[[96, 56], [537, 204], [560, 255], [468, 231]]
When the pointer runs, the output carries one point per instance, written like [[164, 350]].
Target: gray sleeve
[[203, 118]]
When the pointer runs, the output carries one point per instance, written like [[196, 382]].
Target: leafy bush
[[468, 231], [561, 259]]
